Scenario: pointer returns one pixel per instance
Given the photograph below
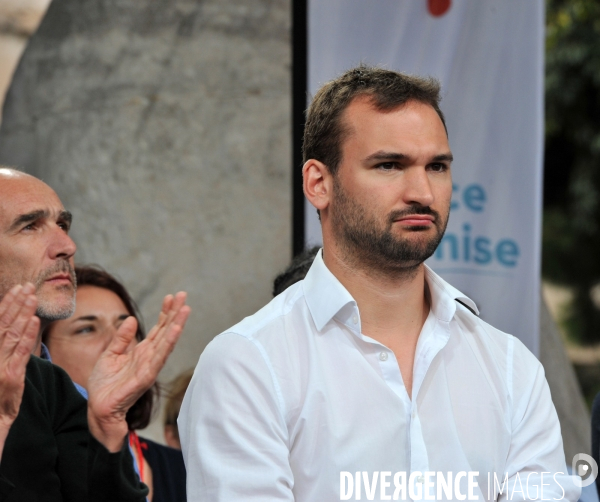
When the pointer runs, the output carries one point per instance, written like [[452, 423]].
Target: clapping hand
[[124, 372], [19, 328]]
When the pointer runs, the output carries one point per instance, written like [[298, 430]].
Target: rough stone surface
[[164, 127], [572, 411], [18, 20]]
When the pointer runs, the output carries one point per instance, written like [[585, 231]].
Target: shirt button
[[383, 356], [355, 319], [420, 479]]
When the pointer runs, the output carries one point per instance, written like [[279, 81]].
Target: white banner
[[488, 55]]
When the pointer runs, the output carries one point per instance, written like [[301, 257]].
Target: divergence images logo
[[586, 468]]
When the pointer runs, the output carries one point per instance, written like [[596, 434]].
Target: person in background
[[175, 394], [75, 344], [296, 270]]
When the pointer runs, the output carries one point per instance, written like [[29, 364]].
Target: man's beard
[[366, 244], [53, 310]]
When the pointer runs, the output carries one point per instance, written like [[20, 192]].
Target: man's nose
[[418, 187], [61, 245]]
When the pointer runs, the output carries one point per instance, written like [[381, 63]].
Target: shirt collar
[[326, 296], [45, 353], [443, 296]]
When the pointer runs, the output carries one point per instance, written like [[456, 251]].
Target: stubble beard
[[52, 309], [365, 245]]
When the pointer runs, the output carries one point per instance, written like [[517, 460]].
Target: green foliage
[[571, 230]]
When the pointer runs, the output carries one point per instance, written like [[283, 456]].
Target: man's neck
[[393, 307]]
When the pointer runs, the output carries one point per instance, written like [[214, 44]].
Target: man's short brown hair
[[324, 131]]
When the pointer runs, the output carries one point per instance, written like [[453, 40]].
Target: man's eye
[[64, 226], [387, 166], [438, 168]]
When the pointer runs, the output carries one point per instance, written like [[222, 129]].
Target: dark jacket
[[49, 454], [168, 471]]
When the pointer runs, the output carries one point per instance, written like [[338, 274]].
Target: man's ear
[[317, 183]]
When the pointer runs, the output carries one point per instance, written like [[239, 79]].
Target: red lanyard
[[136, 447]]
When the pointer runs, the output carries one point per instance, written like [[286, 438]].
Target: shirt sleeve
[[536, 467], [234, 436]]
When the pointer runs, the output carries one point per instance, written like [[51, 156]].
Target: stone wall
[[18, 20], [164, 127]]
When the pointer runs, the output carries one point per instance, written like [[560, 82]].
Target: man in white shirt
[[372, 378]]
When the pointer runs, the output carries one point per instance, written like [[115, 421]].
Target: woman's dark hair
[[139, 415]]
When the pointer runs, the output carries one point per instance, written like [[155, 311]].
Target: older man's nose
[[61, 245]]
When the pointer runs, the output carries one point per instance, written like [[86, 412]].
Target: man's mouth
[[417, 220], [59, 279], [61, 275]]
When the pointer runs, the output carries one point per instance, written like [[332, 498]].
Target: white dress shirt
[[287, 400]]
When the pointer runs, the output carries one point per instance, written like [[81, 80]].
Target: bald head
[[10, 172], [34, 243], [15, 184]]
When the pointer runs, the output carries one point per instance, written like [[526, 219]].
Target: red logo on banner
[[438, 7]]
